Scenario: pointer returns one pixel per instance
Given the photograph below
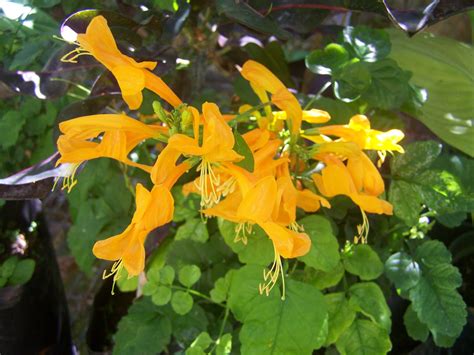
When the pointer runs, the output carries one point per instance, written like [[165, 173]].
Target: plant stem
[[245, 114], [317, 96], [199, 294]]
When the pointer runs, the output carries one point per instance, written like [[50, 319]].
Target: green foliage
[[364, 337], [361, 72], [193, 229], [363, 261], [415, 328], [188, 275], [431, 287], [241, 147], [15, 271], [341, 316], [448, 115], [105, 214], [182, 302], [428, 178], [324, 252], [289, 327], [137, 331]]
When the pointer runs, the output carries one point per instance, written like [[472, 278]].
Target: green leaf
[[415, 328], [246, 15], [11, 124], [241, 147], [275, 326], [167, 274], [433, 253], [443, 340], [389, 88], [436, 291], [193, 229], [364, 262], [143, 330], [203, 341], [368, 299], [188, 275], [353, 79], [323, 279], [418, 156], [186, 207], [221, 288], [407, 209], [366, 43], [259, 248], [364, 338], [150, 288], [23, 272], [328, 60], [449, 108], [324, 252], [187, 327], [182, 302], [126, 283], [403, 271], [27, 55], [8, 266], [341, 316], [161, 296], [224, 344]]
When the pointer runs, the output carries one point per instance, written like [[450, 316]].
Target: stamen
[[294, 226], [242, 230], [208, 184], [382, 155], [71, 57], [270, 277], [115, 272], [227, 187], [69, 181], [362, 230]]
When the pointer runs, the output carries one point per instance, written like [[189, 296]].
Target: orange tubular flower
[[131, 76], [335, 179], [121, 135], [216, 148], [154, 208], [262, 81], [254, 204]]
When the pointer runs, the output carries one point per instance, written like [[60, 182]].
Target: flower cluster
[[291, 168]]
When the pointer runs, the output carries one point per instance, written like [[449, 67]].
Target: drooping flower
[[154, 208], [132, 76], [263, 81], [254, 203]]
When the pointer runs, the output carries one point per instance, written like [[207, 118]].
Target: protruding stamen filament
[[362, 230], [227, 187], [208, 185], [70, 180], [270, 277], [294, 226], [115, 272], [382, 155], [71, 57], [242, 230]]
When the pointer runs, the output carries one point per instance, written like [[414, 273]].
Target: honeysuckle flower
[[132, 76], [153, 209], [262, 81], [336, 179], [120, 135], [365, 175], [310, 116], [254, 203], [216, 148], [358, 131]]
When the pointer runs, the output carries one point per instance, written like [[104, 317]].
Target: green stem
[[317, 96], [199, 294], [221, 330], [244, 115]]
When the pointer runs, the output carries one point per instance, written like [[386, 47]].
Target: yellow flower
[[216, 148], [254, 203], [262, 81], [131, 76], [335, 179], [120, 135], [154, 208], [358, 131]]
